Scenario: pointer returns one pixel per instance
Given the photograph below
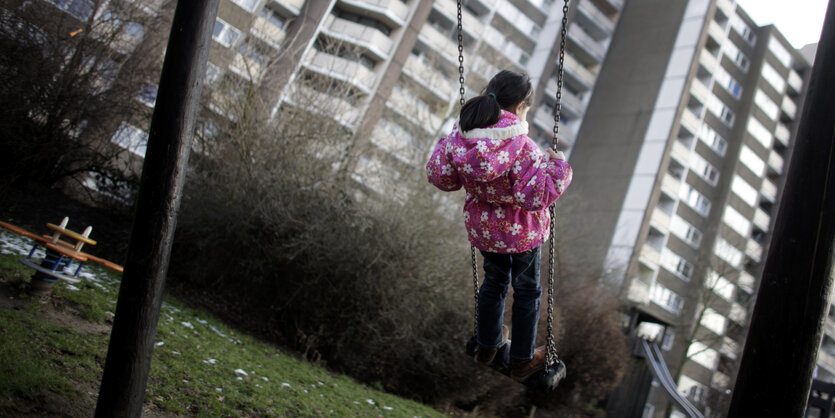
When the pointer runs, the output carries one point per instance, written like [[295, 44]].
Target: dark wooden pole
[[140, 294], [776, 370]]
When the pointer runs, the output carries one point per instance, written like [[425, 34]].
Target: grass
[[52, 355]]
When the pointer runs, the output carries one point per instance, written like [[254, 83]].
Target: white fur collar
[[497, 133]]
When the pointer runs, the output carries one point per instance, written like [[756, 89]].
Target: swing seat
[[545, 381]]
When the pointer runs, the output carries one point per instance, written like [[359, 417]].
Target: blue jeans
[[501, 270]]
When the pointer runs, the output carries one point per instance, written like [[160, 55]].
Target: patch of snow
[[159, 344], [241, 371], [370, 401], [210, 361], [187, 325], [285, 385], [201, 321], [71, 287]]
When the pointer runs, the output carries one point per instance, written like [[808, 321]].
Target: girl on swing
[[510, 185]]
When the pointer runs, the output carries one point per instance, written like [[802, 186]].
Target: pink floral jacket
[[510, 183]]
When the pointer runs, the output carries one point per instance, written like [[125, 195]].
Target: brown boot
[[521, 371], [486, 355]]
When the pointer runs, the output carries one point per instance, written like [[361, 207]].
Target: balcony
[[699, 91], [586, 49], [577, 74], [639, 291], [431, 79], [726, 6], [341, 69], [649, 256], [721, 381], [372, 40], [738, 314], [609, 7], [414, 110], [775, 163], [400, 146], [795, 82], [292, 6], [782, 134], [708, 61], [768, 190], [393, 12], [267, 32], [762, 220], [660, 221], [715, 31], [246, 68], [680, 153], [789, 108], [570, 104], [670, 186], [690, 121], [754, 250], [440, 42], [827, 360], [746, 280], [482, 69], [324, 104], [470, 23], [598, 25]]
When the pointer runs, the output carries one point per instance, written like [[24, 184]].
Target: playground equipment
[[59, 255], [555, 369]]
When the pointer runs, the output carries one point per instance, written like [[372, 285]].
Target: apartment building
[[679, 169], [400, 61]]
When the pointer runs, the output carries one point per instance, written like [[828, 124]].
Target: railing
[[690, 121], [414, 110], [587, 44], [429, 77], [782, 134], [789, 107], [596, 17], [716, 32], [670, 186], [369, 38], [394, 10], [769, 190], [746, 280], [699, 91], [680, 153], [268, 32], [754, 250], [574, 69], [775, 162], [650, 256], [795, 81], [708, 60], [762, 220], [660, 221], [435, 39], [292, 5]]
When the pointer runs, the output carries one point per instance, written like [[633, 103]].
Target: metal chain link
[[551, 344], [462, 91]]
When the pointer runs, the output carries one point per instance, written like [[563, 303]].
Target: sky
[[800, 21]]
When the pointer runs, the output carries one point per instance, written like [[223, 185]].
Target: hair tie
[[492, 94]]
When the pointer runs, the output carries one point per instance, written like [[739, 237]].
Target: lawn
[[53, 350]]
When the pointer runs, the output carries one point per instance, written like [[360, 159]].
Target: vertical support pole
[[786, 328], [128, 362]]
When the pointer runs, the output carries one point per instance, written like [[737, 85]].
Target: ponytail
[[504, 91]]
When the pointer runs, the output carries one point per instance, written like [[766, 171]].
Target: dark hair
[[504, 91]]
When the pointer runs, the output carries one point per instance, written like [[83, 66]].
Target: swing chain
[[551, 344], [460, 53], [462, 91]]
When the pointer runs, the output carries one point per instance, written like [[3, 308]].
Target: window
[[751, 160], [736, 221], [780, 52], [131, 138], [676, 264], [766, 104], [718, 108], [713, 140], [735, 55], [745, 191], [274, 18], [704, 169], [774, 78], [148, 94], [730, 84], [743, 30], [248, 5], [726, 251], [684, 230], [694, 199], [666, 299], [759, 132], [81, 9], [225, 34]]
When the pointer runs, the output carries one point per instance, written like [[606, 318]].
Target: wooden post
[[140, 294], [786, 327]]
